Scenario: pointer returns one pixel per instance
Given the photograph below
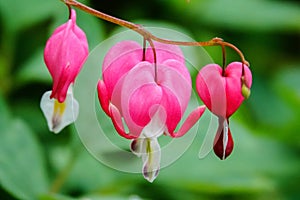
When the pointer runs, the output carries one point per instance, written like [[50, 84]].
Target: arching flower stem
[[70, 10], [144, 49], [154, 55], [154, 58], [150, 37]]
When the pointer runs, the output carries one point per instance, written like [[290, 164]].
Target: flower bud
[[245, 89], [64, 55]]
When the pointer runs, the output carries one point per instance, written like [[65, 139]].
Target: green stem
[[224, 59], [7, 49], [63, 175]]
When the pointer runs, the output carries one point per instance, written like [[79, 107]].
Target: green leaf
[[32, 114], [115, 197], [87, 173], [263, 92], [21, 14], [34, 70], [287, 83], [22, 170], [244, 15], [94, 197], [56, 197], [5, 115]]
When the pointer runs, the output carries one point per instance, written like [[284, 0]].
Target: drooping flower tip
[[151, 157], [64, 55], [150, 175], [223, 145]]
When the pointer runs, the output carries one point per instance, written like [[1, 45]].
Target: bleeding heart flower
[[64, 55], [223, 91], [150, 103]]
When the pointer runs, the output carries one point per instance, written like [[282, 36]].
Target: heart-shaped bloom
[[64, 55], [150, 98], [223, 91]]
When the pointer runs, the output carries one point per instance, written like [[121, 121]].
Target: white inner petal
[[151, 159], [147, 146], [156, 126], [59, 115]]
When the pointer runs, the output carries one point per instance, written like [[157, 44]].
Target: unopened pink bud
[[64, 55]]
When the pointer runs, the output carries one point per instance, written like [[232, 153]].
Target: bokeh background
[[36, 164]]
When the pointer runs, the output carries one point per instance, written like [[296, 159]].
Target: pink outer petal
[[134, 92], [117, 122], [164, 52], [120, 49], [79, 32], [176, 84], [140, 93], [172, 108], [65, 52], [121, 58], [142, 100], [52, 52], [189, 122], [175, 77], [211, 88], [141, 76], [180, 68], [103, 97], [234, 95]]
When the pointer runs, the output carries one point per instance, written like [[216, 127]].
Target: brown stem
[[154, 58], [147, 35], [101, 15], [224, 59], [154, 55], [144, 49], [70, 10]]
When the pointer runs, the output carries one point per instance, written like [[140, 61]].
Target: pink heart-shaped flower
[[221, 91]]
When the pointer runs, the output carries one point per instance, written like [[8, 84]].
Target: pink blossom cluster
[[145, 91]]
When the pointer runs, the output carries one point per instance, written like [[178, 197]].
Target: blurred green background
[[36, 164]]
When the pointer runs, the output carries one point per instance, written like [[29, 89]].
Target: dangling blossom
[[223, 91], [150, 103], [64, 55]]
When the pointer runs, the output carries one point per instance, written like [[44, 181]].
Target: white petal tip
[[150, 175], [59, 115], [151, 159]]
